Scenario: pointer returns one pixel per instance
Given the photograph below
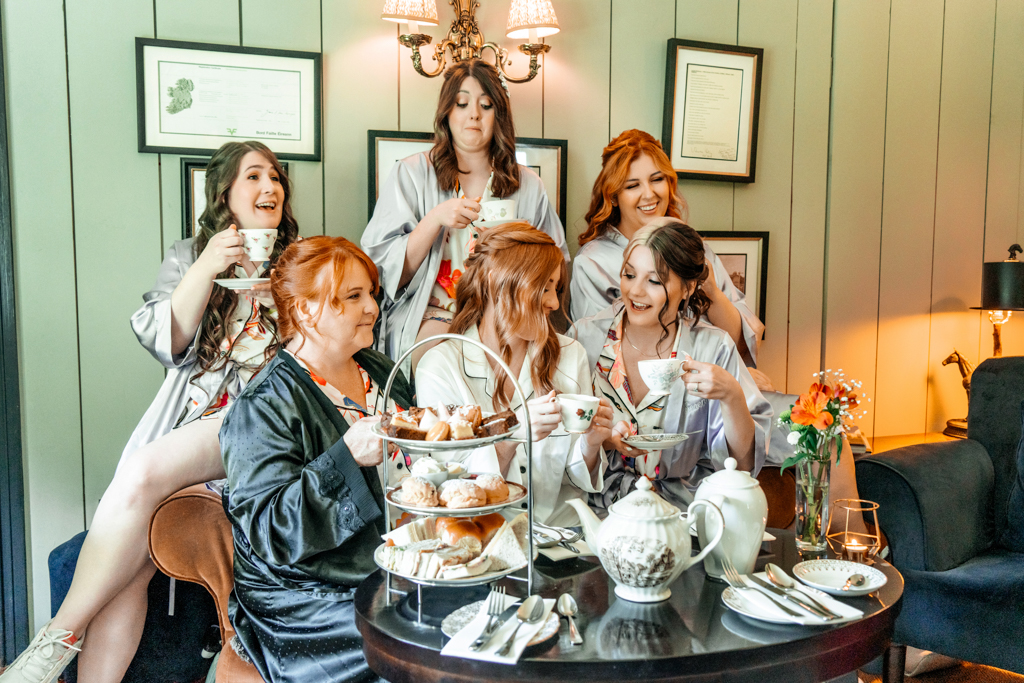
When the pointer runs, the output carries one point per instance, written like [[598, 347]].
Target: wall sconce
[[529, 19], [1002, 291]]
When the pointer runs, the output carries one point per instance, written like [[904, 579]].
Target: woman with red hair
[[514, 279], [304, 495], [636, 185]]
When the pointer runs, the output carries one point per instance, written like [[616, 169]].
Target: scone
[[462, 493], [419, 492], [494, 486]]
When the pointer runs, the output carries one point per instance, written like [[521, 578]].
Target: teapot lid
[[731, 478], [643, 503]]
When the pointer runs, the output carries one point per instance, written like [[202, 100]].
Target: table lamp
[[1002, 291]]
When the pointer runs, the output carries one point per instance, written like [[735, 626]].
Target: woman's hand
[[600, 429], [707, 380], [615, 441], [763, 382], [223, 250], [363, 444], [545, 416], [456, 213]]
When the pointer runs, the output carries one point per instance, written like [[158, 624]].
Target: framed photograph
[[193, 193], [194, 97], [545, 157], [712, 102], [745, 257]]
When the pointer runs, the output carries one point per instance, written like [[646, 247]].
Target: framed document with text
[[712, 100], [194, 97]]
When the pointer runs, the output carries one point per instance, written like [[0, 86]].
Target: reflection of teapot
[[632, 631], [745, 509], [644, 544]]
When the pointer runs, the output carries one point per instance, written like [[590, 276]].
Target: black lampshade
[[1002, 286]]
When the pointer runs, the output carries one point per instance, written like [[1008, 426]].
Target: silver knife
[[818, 612], [492, 627]]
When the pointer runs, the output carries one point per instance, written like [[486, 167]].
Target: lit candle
[[855, 551]]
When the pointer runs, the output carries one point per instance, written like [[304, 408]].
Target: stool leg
[[893, 662]]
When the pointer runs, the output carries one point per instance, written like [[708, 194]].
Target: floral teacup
[[258, 243], [578, 411], [498, 210], [659, 374]]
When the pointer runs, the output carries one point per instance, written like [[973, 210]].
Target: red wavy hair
[[314, 269], [616, 158], [509, 268]]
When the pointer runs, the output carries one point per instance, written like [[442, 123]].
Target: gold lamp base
[[956, 429]]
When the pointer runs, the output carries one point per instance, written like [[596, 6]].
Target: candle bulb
[[855, 551]]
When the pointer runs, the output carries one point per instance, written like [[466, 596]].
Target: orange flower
[[820, 388], [810, 410]]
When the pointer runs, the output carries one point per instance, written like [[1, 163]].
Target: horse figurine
[[958, 428]]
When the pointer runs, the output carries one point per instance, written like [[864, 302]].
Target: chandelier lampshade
[[418, 11], [535, 15]]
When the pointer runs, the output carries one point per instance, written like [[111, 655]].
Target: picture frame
[[194, 97], [745, 257], [712, 108], [545, 156], [193, 193]]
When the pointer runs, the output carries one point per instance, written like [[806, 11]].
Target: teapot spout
[[590, 522]]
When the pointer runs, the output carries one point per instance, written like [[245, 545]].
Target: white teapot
[[745, 510], [644, 544]]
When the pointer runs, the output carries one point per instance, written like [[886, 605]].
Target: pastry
[[499, 423], [451, 529], [462, 493], [428, 420], [494, 486], [427, 465], [400, 427], [419, 492], [461, 429], [439, 432], [469, 413]]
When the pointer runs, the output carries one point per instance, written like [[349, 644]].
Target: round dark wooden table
[[691, 637]]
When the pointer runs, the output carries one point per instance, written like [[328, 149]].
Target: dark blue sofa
[[954, 516]]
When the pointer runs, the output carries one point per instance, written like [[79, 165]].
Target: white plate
[[437, 446], [516, 493], [735, 601], [486, 577], [655, 442], [831, 575], [460, 618], [241, 283]]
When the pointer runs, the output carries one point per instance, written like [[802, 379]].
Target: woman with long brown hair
[[211, 340], [514, 279], [636, 185], [422, 227]]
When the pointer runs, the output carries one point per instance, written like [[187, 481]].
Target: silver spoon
[[855, 581], [783, 580], [567, 608], [530, 612]]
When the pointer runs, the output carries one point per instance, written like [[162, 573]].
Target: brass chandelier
[[529, 19]]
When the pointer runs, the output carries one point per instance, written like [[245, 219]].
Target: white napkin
[[459, 645], [760, 603], [557, 553]]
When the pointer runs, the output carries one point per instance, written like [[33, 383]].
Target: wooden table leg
[[893, 662]]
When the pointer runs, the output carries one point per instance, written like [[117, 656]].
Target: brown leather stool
[[190, 540]]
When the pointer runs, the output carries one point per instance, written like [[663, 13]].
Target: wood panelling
[[640, 32]]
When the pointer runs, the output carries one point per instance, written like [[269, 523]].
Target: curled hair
[[503, 141], [616, 159], [217, 216], [676, 249], [314, 270], [509, 269]]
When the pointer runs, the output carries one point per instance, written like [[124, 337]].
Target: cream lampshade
[[410, 11], [531, 19]]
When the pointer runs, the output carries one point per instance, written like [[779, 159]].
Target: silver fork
[[733, 578], [495, 605], [567, 537]]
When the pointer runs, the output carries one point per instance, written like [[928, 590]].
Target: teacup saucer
[[241, 283]]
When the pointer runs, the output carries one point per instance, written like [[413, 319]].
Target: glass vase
[[812, 482]]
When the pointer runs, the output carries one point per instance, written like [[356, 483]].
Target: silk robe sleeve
[[595, 281], [291, 501], [152, 322]]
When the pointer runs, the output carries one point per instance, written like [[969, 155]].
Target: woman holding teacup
[[514, 279], [212, 340], [638, 347], [303, 494], [636, 185], [423, 228]]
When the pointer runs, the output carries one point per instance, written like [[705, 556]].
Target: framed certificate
[[193, 193], [194, 97], [712, 101], [545, 157], [745, 257]]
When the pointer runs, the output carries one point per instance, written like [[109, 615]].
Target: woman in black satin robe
[[304, 494]]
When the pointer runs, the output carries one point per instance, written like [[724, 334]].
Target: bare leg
[[116, 549], [115, 632], [428, 328]]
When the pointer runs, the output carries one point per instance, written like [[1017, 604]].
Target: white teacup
[[258, 243], [578, 411], [659, 374], [498, 210]]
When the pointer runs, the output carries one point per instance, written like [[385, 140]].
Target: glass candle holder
[[848, 541]]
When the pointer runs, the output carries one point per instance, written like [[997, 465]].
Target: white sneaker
[[45, 657]]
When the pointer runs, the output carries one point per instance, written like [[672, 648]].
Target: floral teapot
[[644, 544]]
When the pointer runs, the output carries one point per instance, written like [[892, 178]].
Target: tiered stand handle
[[529, 449]]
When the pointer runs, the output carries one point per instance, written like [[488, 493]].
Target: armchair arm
[[935, 502]]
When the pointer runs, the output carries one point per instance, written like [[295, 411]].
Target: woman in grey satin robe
[[637, 185], [422, 227], [715, 401], [211, 340]]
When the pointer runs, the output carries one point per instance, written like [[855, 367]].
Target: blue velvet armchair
[[954, 516]]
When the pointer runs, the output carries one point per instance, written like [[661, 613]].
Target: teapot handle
[[692, 519]]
